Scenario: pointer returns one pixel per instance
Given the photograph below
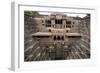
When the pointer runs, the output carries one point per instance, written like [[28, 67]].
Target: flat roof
[[42, 34], [50, 34], [73, 34]]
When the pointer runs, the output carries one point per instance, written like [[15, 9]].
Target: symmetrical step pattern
[[80, 49]]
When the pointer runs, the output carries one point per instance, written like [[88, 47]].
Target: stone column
[[53, 23]]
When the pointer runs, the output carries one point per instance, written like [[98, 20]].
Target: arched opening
[[58, 38], [54, 38], [49, 30], [66, 30], [62, 37]]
